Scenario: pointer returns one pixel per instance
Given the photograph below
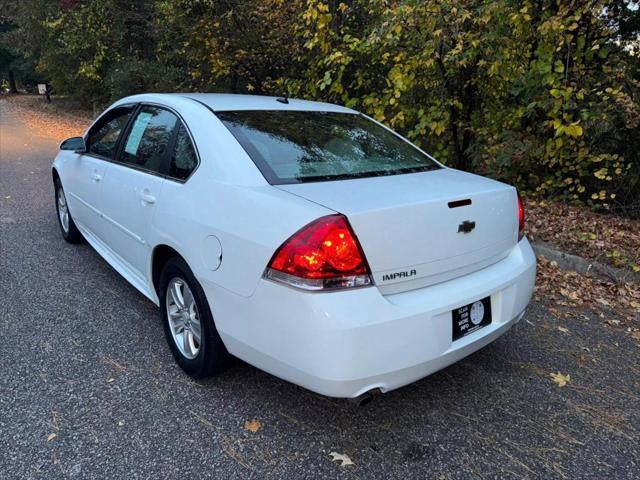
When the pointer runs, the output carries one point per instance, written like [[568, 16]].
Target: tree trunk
[[12, 83]]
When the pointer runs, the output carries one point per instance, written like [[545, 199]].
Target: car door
[[133, 184], [84, 172]]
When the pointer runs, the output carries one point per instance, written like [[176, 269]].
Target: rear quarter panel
[[249, 222]]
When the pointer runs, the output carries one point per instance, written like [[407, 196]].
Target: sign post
[[45, 89]]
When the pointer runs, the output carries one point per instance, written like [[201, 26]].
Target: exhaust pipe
[[364, 398]]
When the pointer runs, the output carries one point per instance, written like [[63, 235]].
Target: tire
[[198, 358], [67, 226]]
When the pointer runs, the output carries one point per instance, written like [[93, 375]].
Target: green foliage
[[15, 69], [543, 94]]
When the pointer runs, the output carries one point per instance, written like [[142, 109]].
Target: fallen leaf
[[110, 380], [561, 379], [563, 330], [636, 335], [341, 457], [252, 425], [569, 294], [51, 437], [611, 322], [603, 302]]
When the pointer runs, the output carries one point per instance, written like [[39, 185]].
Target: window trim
[[134, 108], [125, 132], [163, 161], [172, 143], [166, 160]]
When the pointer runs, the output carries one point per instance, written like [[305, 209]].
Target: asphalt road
[[82, 356]]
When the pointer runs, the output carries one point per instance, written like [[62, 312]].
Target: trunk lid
[[410, 234]]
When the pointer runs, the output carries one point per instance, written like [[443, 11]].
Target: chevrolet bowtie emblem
[[466, 227]]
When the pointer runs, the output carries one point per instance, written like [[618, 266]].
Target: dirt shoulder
[[608, 239]]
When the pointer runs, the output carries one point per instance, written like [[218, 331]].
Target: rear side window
[[103, 137], [183, 159], [148, 139], [297, 147]]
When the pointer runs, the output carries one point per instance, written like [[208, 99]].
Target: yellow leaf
[[601, 174], [573, 130], [252, 425], [560, 379], [437, 127]]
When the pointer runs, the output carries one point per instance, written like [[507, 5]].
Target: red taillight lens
[[325, 254], [520, 219]]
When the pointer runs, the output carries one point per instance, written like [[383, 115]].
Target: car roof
[[220, 102]]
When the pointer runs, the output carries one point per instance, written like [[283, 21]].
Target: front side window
[[183, 159], [103, 137], [148, 139], [297, 147]]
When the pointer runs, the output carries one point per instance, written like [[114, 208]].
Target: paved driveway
[[88, 388]]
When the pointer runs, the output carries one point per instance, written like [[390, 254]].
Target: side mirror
[[75, 144]]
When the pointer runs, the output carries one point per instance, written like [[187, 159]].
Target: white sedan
[[304, 238]]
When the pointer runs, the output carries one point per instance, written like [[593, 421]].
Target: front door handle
[[146, 197], [96, 177]]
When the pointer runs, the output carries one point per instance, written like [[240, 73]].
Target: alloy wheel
[[184, 319], [63, 210]]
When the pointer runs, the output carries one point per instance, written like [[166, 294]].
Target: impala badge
[[466, 227]]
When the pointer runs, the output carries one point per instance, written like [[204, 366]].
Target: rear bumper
[[343, 344]]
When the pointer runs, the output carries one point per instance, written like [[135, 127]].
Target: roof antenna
[[284, 99]]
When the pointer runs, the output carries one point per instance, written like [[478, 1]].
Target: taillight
[[520, 219], [323, 255]]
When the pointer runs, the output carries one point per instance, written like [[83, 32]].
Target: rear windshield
[[297, 147]]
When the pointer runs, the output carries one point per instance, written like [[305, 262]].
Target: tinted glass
[[184, 159], [103, 137], [294, 147], [148, 139]]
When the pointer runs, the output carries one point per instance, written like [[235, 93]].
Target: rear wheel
[[188, 322], [67, 226]]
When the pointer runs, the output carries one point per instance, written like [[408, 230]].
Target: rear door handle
[[146, 197], [96, 177]]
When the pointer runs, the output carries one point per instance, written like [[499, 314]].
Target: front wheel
[[188, 322], [67, 226]]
